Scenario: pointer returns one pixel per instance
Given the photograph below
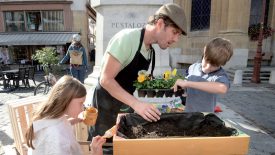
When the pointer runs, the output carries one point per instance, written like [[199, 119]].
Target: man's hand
[[148, 111]]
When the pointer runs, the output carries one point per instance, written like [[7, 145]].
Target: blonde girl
[[51, 131]]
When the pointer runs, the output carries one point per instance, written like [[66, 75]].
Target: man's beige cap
[[176, 14]]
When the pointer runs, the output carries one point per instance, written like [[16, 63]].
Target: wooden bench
[[21, 112]]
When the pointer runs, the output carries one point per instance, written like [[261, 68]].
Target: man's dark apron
[[108, 107]]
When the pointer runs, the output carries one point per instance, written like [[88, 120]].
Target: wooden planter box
[[228, 145]]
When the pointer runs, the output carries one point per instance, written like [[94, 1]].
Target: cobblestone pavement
[[255, 104], [249, 107], [5, 127]]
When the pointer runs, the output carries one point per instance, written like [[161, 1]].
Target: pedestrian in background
[[78, 58], [51, 131], [207, 78]]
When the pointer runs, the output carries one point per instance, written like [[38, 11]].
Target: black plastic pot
[[179, 92], [142, 92], [160, 92], [151, 93], [169, 92]]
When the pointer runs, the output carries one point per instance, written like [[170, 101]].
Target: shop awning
[[35, 38]]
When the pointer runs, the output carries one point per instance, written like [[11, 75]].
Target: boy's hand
[[179, 83], [96, 145]]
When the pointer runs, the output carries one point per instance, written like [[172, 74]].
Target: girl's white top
[[54, 137]]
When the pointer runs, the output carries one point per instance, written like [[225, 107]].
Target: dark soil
[[210, 126]]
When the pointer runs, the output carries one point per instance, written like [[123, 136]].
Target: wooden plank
[[30, 112], [15, 129], [20, 112], [23, 122]]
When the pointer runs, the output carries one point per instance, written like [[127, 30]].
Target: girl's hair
[[167, 21], [218, 51], [66, 89]]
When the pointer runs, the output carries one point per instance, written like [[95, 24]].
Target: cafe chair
[[20, 77], [5, 67], [30, 75], [1, 76]]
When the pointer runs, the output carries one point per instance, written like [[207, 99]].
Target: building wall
[[42, 5], [75, 14], [80, 22], [229, 19], [272, 24]]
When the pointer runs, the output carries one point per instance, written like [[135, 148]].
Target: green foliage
[[157, 83], [254, 31], [139, 85], [170, 83], [47, 57], [160, 82], [149, 84]]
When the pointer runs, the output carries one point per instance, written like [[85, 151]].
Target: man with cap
[[128, 52], [78, 59]]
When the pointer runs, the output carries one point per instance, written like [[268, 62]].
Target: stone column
[[238, 77], [232, 18], [272, 24], [112, 16], [80, 22], [272, 77]]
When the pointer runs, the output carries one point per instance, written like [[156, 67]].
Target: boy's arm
[[210, 87]]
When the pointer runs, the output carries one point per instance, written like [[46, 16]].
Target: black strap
[[152, 57], [152, 53], [141, 39]]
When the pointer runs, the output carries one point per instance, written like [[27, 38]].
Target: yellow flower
[[143, 72], [141, 78], [174, 72], [166, 75]]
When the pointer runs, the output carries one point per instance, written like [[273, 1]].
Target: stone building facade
[[30, 25], [229, 19]]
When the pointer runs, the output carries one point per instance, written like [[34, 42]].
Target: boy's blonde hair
[[62, 93], [218, 51]]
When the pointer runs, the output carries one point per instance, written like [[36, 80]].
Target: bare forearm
[[210, 87]]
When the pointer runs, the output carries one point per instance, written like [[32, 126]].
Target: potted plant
[[141, 83], [47, 57], [254, 31], [158, 86], [169, 83], [171, 78]]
